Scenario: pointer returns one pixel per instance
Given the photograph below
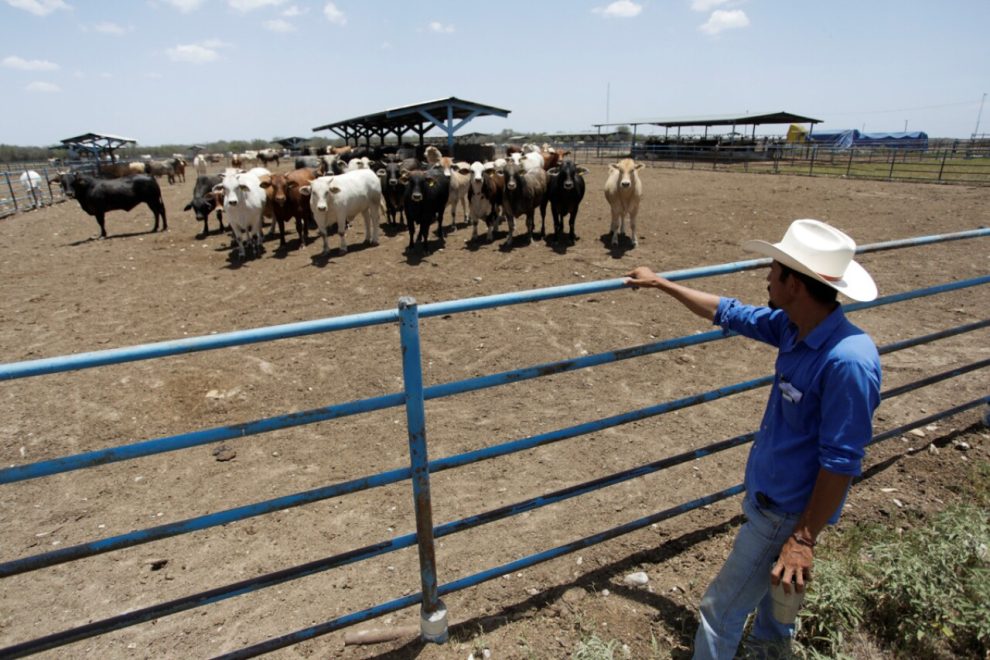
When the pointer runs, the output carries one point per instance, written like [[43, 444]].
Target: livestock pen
[[952, 163], [18, 196], [18, 572]]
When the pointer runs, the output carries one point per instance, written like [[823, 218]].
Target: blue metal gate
[[408, 315]]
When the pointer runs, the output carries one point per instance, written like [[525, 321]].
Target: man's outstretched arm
[[701, 303]]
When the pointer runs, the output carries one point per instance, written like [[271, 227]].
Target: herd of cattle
[[328, 192]]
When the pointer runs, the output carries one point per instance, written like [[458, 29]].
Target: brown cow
[[285, 202]]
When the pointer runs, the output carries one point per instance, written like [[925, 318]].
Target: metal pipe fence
[[950, 164], [413, 396], [17, 194]]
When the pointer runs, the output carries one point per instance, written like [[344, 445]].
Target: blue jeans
[[743, 584]]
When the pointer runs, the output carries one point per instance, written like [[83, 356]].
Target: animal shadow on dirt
[[285, 249], [683, 621], [519, 240], [320, 260], [417, 254], [110, 237], [559, 244], [392, 229], [616, 251]]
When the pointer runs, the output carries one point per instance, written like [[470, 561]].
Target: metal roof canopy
[[98, 142], [291, 142], [417, 118], [753, 120]]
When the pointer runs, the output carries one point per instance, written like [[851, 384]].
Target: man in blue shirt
[[811, 440]]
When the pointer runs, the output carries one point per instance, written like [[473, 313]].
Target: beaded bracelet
[[800, 540]]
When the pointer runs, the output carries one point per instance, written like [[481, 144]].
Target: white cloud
[[15, 62], [707, 5], [279, 25], [386, 45], [725, 20], [106, 75], [251, 5], [43, 87], [619, 9], [437, 26], [107, 27], [293, 11], [153, 75], [213, 44], [39, 7], [185, 6], [193, 53], [333, 14]]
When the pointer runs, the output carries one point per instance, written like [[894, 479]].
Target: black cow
[[524, 191], [424, 199], [393, 189], [204, 201], [266, 156], [97, 196], [565, 190]]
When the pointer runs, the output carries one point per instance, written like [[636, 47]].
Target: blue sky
[[188, 71]]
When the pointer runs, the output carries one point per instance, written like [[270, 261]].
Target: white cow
[[244, 198], [460, 180], [623, 190], [31, 182], [361, 163], [337, 199], [531, 160], [482, 192], [199, 162]]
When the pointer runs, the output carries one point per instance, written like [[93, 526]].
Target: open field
[[64, 292]]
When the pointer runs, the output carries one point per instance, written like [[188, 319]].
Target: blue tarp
[[840, 139], [913, 140], [850, 137]]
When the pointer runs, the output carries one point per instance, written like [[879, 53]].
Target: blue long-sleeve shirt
[[819, 415]]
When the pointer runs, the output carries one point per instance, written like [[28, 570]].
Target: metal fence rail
[[18, 196], [967, 165], [432, 609]]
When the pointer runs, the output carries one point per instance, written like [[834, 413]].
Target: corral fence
[[17, 194], [433, 615], [954, 162]]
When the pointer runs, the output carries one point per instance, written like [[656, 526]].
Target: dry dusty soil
[[64, 292]]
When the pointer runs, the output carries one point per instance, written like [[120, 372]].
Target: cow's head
[[626, 169], [203, 206], [419, 183], [512, 173], [477, 172], [567, 174], [319, 192], [279, 189], [67, 180]]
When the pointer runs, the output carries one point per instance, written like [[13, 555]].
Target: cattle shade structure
[[97, 143], [417, 118], [292, 143], [707, 122]]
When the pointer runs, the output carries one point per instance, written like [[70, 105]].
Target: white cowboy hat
[[823, 252]]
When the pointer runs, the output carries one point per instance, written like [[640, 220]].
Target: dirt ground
[[64, 292]]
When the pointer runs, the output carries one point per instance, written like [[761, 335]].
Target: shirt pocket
[[794, 412]]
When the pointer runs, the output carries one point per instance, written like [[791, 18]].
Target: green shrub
[[928, 591], [833, 606], [595, 648], [925, 593]]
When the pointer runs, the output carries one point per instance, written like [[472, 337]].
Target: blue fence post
[[433, 613]]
